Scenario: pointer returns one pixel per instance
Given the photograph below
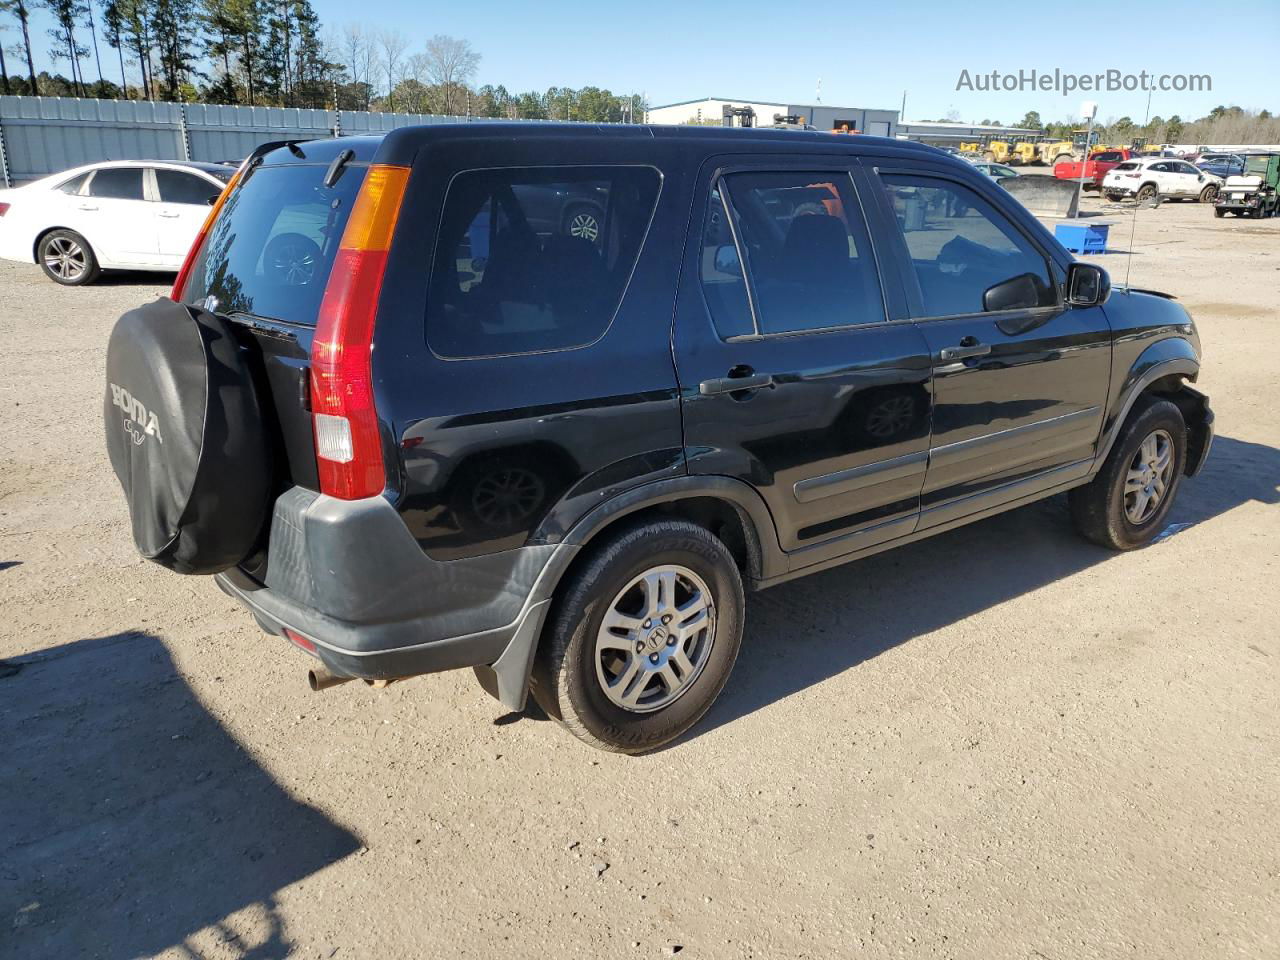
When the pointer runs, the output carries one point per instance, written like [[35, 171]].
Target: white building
[[710, 110], [942, 134]]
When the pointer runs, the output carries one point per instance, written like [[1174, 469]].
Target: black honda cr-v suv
[[413, 422]]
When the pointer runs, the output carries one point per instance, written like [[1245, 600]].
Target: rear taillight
[[4, 208], [180, 285], [348, 448]]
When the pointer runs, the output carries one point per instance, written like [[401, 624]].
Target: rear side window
[[1128, 165], [270, 250], [535, 259], [806, 249], [968, 257], [723, 285], [176, 187], [1108, 157], [74, 185], [118, 183]]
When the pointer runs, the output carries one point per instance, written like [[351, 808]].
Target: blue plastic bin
[[1083, 237]]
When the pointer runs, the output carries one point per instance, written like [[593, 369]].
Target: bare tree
[[391, 46], [449, 64], [355, 50]]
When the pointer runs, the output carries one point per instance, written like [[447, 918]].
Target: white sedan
[[122, 215], [1154, 177]]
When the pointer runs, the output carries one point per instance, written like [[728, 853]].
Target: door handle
[[85, 206], [965, 350], [732, 384], [169, 216]]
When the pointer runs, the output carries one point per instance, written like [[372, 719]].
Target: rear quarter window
[[1128, 166], [534, 259]]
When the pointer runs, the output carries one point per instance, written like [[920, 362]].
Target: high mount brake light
[[348, 447], [179, 285]]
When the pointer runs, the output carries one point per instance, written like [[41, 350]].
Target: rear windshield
[[271, 248]]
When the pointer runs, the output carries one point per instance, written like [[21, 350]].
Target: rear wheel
[[1126, 504], [67, 258], [642, 638], [1219, 212], [1147, 191], [1209, 193]]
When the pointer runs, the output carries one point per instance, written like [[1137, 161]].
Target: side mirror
[[1017, 293], [726, 259], [1088, 285]]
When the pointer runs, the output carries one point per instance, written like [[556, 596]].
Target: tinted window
[[74, 184], [535, 259], [270, 250], [1109, 156], [120, 183], [806, 250], [723, 284], [961, 247], [1129, 165], [178, 187]]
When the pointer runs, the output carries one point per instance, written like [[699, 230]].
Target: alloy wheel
[[655, 638], [1147, 481], [65, 258], [584, 225]]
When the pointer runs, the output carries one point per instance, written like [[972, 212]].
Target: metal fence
[[43, 135]]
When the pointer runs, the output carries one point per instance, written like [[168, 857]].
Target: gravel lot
[[1001, 742]]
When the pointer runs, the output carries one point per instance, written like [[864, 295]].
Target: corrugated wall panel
[[44, 135]]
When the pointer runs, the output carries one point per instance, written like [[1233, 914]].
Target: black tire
[[1099, 509], [1115, 197], [566, 679], [1219, 213], [585, 221], [66, 258], [1147, 191], [1209, 193]]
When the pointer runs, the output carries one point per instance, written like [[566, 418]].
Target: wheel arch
[[729, 508], [1163, 369], [35, 244]]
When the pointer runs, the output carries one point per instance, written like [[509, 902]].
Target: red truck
[[1095, 168]]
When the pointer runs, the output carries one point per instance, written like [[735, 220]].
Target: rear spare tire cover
[[185, 437]]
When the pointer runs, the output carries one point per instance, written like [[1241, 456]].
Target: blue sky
[[866, 55]]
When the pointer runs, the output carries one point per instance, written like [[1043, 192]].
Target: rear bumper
[[349, 577]]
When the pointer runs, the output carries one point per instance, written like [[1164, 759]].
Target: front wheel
[[642, 638], [67, 258], [1124, 507], [1219, 212]]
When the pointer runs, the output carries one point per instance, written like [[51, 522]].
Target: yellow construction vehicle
[[996, 151], [974, 147], [1050, 151], [1023, 153]]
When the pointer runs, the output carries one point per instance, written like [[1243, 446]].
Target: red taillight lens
[[4, 208], [348, 448], [180, 285]]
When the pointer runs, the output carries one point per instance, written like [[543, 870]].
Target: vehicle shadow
[[132, 821], [801, 633]]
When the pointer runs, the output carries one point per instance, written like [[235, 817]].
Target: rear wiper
[[338, 165]]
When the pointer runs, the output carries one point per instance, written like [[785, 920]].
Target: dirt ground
[[998, 743]]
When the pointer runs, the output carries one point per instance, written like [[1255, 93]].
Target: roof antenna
[[1133, 227], [819, 90]]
